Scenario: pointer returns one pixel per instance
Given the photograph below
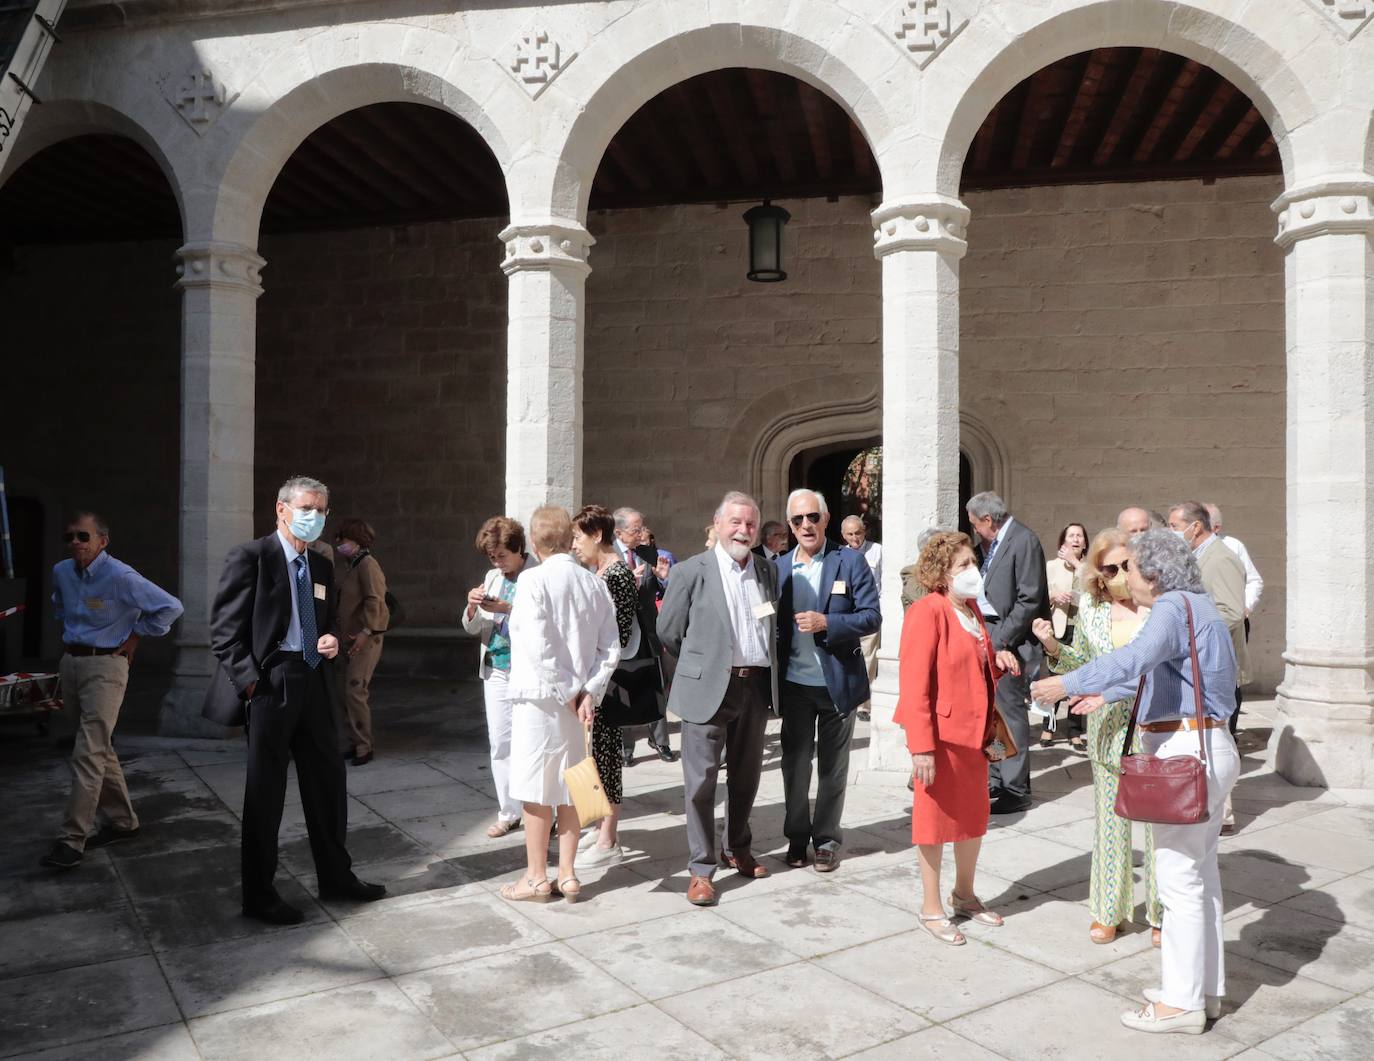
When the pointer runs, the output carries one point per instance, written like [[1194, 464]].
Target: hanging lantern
[[765, 242]]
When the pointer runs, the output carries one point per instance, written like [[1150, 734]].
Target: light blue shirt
[[1160, 651], [102, 605], [292, 641], [804, 663], [983, 605]]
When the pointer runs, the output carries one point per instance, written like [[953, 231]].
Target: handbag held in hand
[[584, 786], [1170, 791]]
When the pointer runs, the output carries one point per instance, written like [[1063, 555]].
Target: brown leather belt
[[89, 650], [1173, 725]]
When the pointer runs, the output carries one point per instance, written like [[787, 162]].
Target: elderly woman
[[487, 617], [1163, 574], [364, 617], [1063, 575], [1108, 617], [946, 680]]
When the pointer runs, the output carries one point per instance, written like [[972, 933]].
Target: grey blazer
[[694, 626], [1016, 586]]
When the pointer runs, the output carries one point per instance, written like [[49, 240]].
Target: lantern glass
[[765, 242]]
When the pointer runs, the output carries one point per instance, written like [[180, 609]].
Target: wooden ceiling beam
[[1122, 173], [620, 153], [1236, 137], [1167, 109], [323, 168], [1221, 96], [476, 164], [374, 135], [1031, 117], [687, 110], [768, 119], [353, 159], [671, 161], [741, 154], [815, 109], [1126, 106], [1088, 86]]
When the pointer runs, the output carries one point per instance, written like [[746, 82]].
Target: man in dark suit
[[719, 619], [641, 558], [273, 624], [827, 601], [1015, 594]]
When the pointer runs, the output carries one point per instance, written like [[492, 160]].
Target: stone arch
[[612, 81], [1238, 52], [987, 456], [261, 140]]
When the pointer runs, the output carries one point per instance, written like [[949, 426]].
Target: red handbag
[[1170, 791]]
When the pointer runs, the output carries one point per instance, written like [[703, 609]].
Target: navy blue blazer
[[849, 616]]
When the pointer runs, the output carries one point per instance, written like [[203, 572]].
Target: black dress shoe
[[1006, 803], [628, 758], [60, 856], [274, 911], [666, 754], [108, 834], [355, 890], [865, 716], [362, 760], [796, 856]]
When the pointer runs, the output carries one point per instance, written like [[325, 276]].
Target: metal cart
[[34, 696]]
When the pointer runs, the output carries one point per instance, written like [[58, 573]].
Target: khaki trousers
[[357, 681], [868, 645], [92, 692]]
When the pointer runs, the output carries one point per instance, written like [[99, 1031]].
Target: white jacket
[[483, 623], [563, 634]]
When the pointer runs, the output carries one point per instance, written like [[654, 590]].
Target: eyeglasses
[[810, 517], [76, 536], [1110, 570]]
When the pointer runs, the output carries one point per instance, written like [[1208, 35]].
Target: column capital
[[553, 243], [215, 264], [1325, 208], [930, 223]]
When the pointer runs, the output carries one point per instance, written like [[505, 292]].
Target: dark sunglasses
[[812, 517], [1110, 570], [76, 536]]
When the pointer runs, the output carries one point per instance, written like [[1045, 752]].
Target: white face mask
[[967, 584]]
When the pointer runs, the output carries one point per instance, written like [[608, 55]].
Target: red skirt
[[956, 806]]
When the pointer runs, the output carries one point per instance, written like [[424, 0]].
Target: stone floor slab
[[33, 891], [1323, 949], [361, 1022], [1339, 1034], [1036, 862], [464, 832], [933, 1044], [641, 1031], [1258, 873], [478, 1002], [809, 922], [797, 1011], [193, 918], [63, 940], [1054, 932], [611, 898], [1351, 899], [384, 776], [170, 1042], [1303, 844], [425, 802]]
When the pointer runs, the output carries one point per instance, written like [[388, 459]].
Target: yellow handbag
[[584, 785]]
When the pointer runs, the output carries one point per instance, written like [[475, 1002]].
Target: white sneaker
[[596, 855], [1213, 1007], [1189, 1022], [589, 837]]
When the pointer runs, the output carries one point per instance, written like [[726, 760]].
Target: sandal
[[974, 910], [536, 891], [501, 828], [1100, 933], [942, 928], [1156, 937], [569, 895]]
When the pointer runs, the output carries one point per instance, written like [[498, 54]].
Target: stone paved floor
[[141, 953]]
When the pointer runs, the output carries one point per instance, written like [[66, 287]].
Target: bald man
[[855, 534], [1133, 521]]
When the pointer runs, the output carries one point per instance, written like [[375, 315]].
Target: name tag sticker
[[764, 610], [319, 591], [838, 587], [95, 604]]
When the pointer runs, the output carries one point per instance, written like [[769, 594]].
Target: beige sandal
[[536, 891], [942, 928], [501, 828], [974, 910], [569, 896]]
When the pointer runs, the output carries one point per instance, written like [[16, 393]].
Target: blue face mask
[[307, 524]]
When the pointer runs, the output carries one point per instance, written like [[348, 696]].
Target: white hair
[[803, 492], [737, 497], [301, 484], [988, 505], [623, 515], [857, 520]]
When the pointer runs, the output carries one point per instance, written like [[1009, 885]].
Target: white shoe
[[1189, 1022], [596, 855], [1213, 1008], [589, 837]]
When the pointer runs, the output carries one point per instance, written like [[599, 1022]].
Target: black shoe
[[865, 716], [275, 911], [108, 834], [665, 753], [60, 856], [354, 890], [628, 758], [796, 856], [362, 760], [348, 752], [1006, 803]]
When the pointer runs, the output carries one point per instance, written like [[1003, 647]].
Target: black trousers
[[293, 718], [813, 725]]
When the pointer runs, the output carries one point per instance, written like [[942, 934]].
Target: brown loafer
[[827, 860], [745, 865], [701, 892]]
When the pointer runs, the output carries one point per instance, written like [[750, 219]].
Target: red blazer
[[945, 685]]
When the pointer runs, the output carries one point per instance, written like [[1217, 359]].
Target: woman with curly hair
[[947, 676]]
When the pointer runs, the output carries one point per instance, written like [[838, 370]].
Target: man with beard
[[719, 620]]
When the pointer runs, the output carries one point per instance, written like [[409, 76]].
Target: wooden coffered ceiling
[[1113, 114]]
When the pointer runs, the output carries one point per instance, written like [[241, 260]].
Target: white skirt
[[545, 739]]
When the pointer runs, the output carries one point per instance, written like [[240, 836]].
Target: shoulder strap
[[1197, 679], [1130, 726]]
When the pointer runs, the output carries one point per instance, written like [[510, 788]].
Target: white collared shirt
[[1254, 584], [983, 605], [292, 641], [563, 636], [873, 553], [742, 595]]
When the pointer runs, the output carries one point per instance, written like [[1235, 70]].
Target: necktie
[[305, 605], [987, 560]]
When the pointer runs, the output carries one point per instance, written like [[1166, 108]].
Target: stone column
[[1324, 730], [220, 286], [547, 266], [920, 243]]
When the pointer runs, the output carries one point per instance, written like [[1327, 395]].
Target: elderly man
[[772, 540], [827, 602], [1132, 521], [273, 623], [632, 543], [104, 607], [855, 533], [719, 620], [1015, 594]]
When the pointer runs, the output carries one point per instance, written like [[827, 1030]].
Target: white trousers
[[1193, 959], [498, 733]]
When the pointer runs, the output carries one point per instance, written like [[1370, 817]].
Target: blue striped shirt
[[1160, 651], [102, 605]]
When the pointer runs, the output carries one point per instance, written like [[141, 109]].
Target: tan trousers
[[93, 691], [868, 645], [357, 680]]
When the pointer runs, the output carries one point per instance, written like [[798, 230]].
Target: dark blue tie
[[305, 605], [987, 560]]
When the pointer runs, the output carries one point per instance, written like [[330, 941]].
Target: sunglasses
[[1110, 570], [811, 517], [76, 536]]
